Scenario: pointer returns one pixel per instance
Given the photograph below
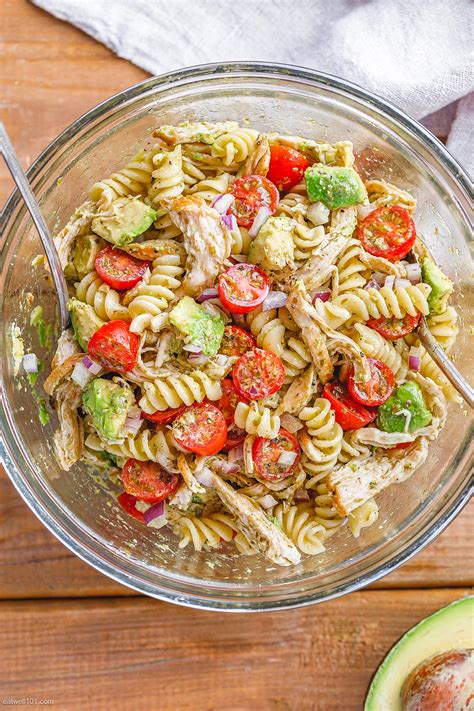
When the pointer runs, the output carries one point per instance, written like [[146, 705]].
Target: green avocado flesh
[[441, 286], [405, 404], [335, 187], [202, 329], [126, 219], [449, 628], [273, 248], [85, 321], [108, 403]]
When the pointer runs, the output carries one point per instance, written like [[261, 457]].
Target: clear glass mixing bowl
[[75, 506]]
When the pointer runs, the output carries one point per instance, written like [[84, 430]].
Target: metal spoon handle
[[13, 164], [442, 360]]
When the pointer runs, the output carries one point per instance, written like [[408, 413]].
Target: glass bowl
[[77, 507]]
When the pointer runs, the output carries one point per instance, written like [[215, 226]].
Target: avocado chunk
[[334, 186], [447, 629], [86, 249], [85, 321], [126, 219], [108, 403], [441, 286], [273, 248], [405, 410], [201, 328]]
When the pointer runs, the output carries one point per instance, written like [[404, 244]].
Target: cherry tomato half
[[394, 328], [148, 481], [401, 445], [251, 193], [114, 346], [119, 269], [166, 416], [276, 459], [129, 504], [388, 232], [236, 341], [287, 167], [258, 374], [201, 429], [229, 400], [376, 390], [242, 288], [235, 436], [348, 413]]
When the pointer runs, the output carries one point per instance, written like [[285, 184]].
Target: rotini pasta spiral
[[363, 516], [444, 327], [133, 179], [300, 526], [176, 390], [351, 450], [192, 172], [294, 205], [235, 146], [256, 419], [376, 346], [429, 369], [167, 176], [144, 446], [267, 329], [105, 300], [325, 510], [350, 268], [152, 296], [241, 240], [165, 225], [323, 441], [295, 357], [306, 240], [205, 531], [209, 188]]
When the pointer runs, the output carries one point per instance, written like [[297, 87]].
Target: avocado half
[[448, 628]]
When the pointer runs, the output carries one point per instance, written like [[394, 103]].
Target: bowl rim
[[20, 481]]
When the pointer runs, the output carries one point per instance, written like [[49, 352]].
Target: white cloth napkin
[[415, 53]]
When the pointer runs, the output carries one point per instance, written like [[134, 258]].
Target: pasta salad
[[243, 359]]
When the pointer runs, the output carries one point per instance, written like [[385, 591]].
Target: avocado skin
[[126, 219], [334, 186], [441, 286], [85, 321], [407, 396], [204, 330], [273, 248], [108, 403]]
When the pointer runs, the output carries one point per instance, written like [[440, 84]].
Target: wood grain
[[142, 654]]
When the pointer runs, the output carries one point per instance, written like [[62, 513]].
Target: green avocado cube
[[85, 321], [108, 403], [334, 186], [405, 405], [126, 219], [202, 329], [441, 286]]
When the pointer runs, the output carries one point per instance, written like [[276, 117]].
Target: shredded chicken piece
[[181, 498], [258, 161], [261, 533], [189, 478], [379, 264], [355, 483], [61, 372], [154, 248], [299, 393], [194, 132], [67, 346], [68, 440], [79, 224], [207, 241]]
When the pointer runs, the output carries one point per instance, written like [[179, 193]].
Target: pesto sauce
[[44, 329]]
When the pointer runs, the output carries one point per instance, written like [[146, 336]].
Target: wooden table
[[69, 634]]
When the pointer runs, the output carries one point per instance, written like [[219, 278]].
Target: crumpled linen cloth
[[416, 54]]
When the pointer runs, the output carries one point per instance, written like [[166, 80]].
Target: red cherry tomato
[[251, 193], [114, 346], [242, 288], [348, 413], [258, 374], [129, 504], [118, 269], [274, 458], [229, 400], [235, 436], [376, 390], [287, 167], [236, 341], [148, 481], [401, 445], [166, 416], [394, 328], [201, 429], [388, 232]]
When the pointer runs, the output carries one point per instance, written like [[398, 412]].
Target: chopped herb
[[373, 485], [196, 499], [273, 520], [196, 156], [42, 411], [33, 377], [44, 329]]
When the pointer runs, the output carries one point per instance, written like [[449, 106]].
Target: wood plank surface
[[142, 654]]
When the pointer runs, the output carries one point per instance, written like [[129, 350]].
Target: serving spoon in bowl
[[21, 181]]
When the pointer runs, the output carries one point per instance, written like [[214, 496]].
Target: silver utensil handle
[[13, 164], [446, 365]]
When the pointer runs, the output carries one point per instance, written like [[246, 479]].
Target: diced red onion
[[205, 477], [156, 514], [260, 218], [131, 426], [413, 273], [379, 277], [321, 295], [225, 467], [239, 319], [253, 390], [267, 501], [389, 281], [372, 284], [222, 203], [287, 458], [236, 453], [414, 358], [402, 283], [363, 211], [91, 365], [274, 300], [318, 213], [192, 348], [230, 222], [301, 495], [81, 375], [30, 363], [207, 294], [221, 359], [198, 358], [291, 423]]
